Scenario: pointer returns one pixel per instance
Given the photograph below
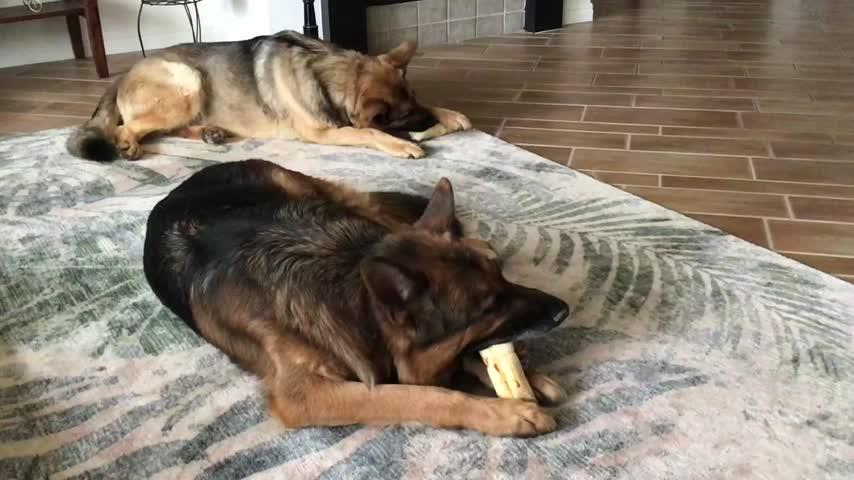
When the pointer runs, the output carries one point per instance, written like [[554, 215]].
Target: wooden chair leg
[[73, 22], [96, 38]]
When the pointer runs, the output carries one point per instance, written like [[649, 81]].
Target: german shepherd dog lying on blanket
[[280, 86], [354, 308]]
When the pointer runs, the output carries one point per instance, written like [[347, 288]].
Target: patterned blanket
[[690, 353]]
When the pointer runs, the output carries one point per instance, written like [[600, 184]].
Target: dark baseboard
[[345, 23], [541, 15]]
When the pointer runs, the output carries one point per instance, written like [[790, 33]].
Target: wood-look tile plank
[[662, 163], [814, 108], [555, 154], [682, 44], [27, 123], [793, 84], [809, 150], [825, 263], [660, 53], [697, 103], [554, 87], [662, 143], [517, 110], [81, 110], [48, 96], [829, 209], [737, 93], [582, 126], [487, 64], [563, 138], [662, 81], [560, 53], [650, 116], [576, 98], [750, 229], [434, 93], [9, 105], [812, 171], [622, 178], [724, 69], [561, 77], [812, 237], [744, 133], [758, 186], [601, 67], [705, 201], [798, 123]]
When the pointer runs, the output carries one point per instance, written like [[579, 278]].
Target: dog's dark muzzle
[[418, 119], [545, 313]]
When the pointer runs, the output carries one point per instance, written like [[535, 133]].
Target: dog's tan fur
[[289, 86]]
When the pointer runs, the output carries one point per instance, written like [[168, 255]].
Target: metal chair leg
[[198, 20], [138, 29]]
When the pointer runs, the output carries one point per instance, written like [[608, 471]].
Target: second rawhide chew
[[505, 372]]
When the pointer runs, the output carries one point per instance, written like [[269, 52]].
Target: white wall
[[577, 11], [47, 40]]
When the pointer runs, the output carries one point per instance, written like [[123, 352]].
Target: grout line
[[571, 154], [661, 130], [660, 179], [739, 120], [771, 149], [583, 113], [767, 233], [752, 168], [500, 128], [789, 206], [629, 141]]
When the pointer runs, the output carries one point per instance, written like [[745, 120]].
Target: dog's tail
[[95, 139]]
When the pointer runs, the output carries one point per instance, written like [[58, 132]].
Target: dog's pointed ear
[[400, 56], [389, 283], [438, 217]]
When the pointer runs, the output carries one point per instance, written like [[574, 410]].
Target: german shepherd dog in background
[[285, 85], [352, 307]]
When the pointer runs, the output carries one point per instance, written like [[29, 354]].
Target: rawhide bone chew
[[505, 372]]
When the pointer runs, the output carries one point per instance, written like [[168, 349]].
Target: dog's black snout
[[559, 313]]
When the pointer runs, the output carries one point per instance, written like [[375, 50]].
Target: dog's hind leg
[[156, 96]]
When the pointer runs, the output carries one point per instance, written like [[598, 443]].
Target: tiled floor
[[739, 113]]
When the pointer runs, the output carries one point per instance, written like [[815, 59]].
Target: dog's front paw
[[401, 148], [453, 121], [514, 418]]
